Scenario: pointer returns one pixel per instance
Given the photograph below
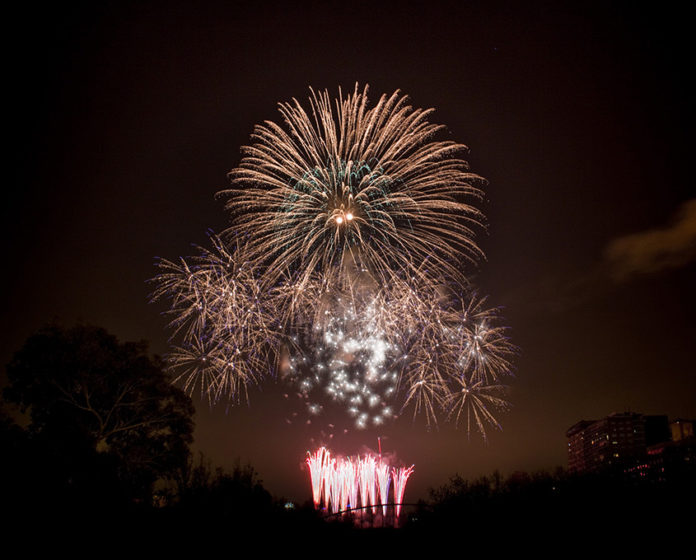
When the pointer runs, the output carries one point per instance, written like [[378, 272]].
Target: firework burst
[[229, 336], [355, 226], [353, 188]]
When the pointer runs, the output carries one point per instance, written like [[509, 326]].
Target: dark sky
[[126, 117]]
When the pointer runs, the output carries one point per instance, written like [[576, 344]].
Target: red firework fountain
[[361, 483]]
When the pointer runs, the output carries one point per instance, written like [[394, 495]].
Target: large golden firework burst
[[345, 187]]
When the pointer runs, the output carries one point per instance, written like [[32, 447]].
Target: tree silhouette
[[105, 421]]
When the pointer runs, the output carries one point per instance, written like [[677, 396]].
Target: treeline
[[95, 446], [560, 505]]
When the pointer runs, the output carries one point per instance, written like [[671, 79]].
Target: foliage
[[208, 491], [102, 413], [550, 504]]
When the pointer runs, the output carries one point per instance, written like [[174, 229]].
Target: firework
[[354, 189], [318, 463], [229, 335], [350, 363], [350, 228], [340, 484], [474, 403], [382, 475], [400, 477]]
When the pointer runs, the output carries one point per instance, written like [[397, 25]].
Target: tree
[[103, 412], [235, 495]]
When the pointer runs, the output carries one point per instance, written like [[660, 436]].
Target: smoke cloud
[[655, 250]]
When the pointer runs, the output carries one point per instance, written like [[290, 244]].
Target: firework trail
[[368, 473], [382, 476], [318, 464], [350, 229], [400, 477]]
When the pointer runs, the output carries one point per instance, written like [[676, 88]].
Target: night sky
[[126, 117]]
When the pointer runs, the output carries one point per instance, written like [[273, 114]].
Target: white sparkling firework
[[351, 363]]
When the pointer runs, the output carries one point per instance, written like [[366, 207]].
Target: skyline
[[129, 117]]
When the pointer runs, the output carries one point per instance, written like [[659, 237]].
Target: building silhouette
[[634, 445], [597, 445]]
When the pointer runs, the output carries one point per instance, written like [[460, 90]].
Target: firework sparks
[[350, 363], [355, 226]]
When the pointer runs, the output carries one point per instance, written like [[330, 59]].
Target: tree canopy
[[97, 405]]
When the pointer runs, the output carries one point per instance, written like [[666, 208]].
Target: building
[[642, 447], [595, 445], [676, 458]]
